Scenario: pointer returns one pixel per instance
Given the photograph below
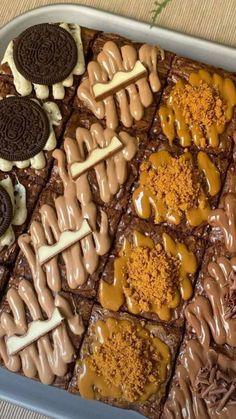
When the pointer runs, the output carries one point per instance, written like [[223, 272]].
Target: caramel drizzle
[[89, 382], [112, 295], [50, 355], [128, 102], [208, 315], [81, 259], [144, 201], [173, 122], [225, 219], [111, 173]]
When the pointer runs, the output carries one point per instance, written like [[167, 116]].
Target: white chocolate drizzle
[[24, 87], [38, 161], [17, 194]]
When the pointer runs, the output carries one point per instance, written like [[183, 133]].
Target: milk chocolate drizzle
[[81, 259], [50, 355], [184, 400], [209, 315], [110, 173], [173, 122], [112, 295], [225, 219], [128, 104], [144, 200]]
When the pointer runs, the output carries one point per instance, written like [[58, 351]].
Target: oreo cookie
[[6, 210], [24, 128], [45, 54]]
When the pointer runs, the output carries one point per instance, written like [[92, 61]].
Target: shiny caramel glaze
[[112, 295], [128, 104], [144, 201], [173, 122], [90, 384]]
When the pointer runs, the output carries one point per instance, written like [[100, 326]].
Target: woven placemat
[[211, 19]]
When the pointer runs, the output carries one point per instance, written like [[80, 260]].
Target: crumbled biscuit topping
[[201, 106], [127, 361], [152, 277], [175, 183]]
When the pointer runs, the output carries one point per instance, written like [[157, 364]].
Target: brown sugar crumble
[[127, 361], [152, 277], [200, 105], [175, 183]]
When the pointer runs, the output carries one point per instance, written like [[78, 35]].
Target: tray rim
[[181, 42]]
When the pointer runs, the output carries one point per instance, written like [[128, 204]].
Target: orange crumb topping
[[127, 360], [175, 183], [152, 277], [200, 105]]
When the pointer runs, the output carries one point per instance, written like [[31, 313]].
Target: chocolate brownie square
[[141, 113], [203, 383], [4, 274], [182, 70], [23, 194], [143, 259], [79, 267], [36, 360], [165, 202], [129, 332], [87, 37], [222, 219], [110, 181]]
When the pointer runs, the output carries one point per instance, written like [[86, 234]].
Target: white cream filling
[[17, 194], [24, 87], [38, 161]]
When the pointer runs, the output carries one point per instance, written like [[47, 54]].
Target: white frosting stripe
[[36, 330], [97, 155], [67, 239], [120, 80]]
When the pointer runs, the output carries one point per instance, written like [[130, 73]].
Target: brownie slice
[[49, 196], [163, 68], [87, 37], [32, 189], [221, 164], [118, 200], [78, 305], [127, 227], [181, 69], [203, 383], [169, 336], [4, 274]]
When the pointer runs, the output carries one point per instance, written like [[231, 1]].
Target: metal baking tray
[[33, 395]]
